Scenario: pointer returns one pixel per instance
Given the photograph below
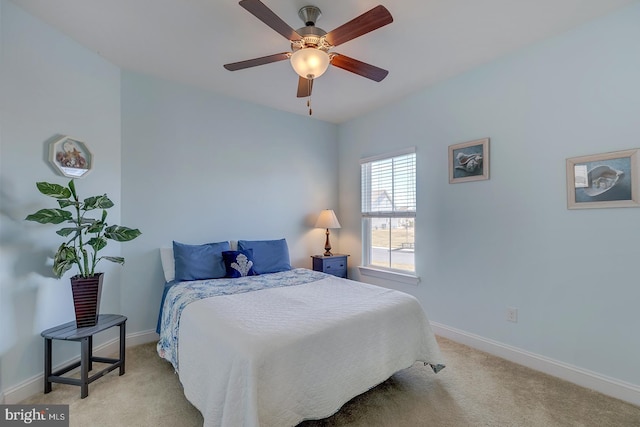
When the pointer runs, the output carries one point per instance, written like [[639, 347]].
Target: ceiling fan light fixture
[[310, 63]]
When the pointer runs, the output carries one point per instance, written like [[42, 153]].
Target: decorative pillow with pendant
[[239, 263]]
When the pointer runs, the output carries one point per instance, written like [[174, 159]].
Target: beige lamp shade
[[327, 219]]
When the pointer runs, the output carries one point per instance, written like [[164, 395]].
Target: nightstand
[[333, 264]]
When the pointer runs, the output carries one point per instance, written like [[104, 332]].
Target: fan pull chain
[[309, 99]]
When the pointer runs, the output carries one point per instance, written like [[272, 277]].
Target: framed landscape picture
[[609, 180], [469, 161]]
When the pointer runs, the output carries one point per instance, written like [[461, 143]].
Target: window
[[389, 211]]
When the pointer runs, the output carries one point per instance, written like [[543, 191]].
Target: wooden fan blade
[[377, 17], [266, 15], [304, 87], [358, 67], [234, 66]]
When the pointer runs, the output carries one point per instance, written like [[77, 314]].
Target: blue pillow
[[239, 263], [198, 262], [269, 256]]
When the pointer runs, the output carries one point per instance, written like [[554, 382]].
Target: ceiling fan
[[311, 45]]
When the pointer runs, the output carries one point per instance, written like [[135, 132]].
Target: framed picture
[[70, 157], [609, 180], [469, 161]]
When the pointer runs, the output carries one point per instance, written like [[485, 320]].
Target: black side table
[[69, 332]]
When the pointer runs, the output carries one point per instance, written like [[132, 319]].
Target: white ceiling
[[188, 41]]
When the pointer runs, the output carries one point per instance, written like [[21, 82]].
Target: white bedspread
[[276, 357]]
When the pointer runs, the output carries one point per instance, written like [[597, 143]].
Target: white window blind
[[389, 186]]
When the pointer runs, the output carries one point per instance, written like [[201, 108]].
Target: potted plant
[[86, 237]]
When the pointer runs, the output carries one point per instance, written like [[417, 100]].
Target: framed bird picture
[[469, 161]]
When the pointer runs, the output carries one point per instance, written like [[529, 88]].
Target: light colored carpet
[[475, 389]]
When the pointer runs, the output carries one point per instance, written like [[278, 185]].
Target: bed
[[279, 347]]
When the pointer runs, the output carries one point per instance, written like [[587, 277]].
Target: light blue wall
[[49, 85], [511, 241], [200, 168]]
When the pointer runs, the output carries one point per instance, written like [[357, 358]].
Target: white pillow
[[168, 264]]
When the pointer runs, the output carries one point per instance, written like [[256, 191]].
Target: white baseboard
[[138, 338], [582, 377], [35, 384]]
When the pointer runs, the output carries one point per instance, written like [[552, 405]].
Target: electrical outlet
[[512, 314]]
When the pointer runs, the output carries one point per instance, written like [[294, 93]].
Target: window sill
[[405, 278]]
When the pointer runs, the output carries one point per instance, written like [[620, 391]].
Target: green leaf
[[66, 202], [59, 268], [97, 243], [97, 202], [53, 190], [65, 253], [121, 234], [117, 259], [64, 259], [104, 202], [68, 230], [72, 187], [50, 216], [95, 227]]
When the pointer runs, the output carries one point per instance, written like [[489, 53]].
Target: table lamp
[[327, 220]]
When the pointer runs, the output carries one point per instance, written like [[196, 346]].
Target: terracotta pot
[[86, 299]]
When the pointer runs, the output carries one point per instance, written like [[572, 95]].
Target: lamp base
[[327, 245]]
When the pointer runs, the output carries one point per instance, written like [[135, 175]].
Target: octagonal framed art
[[70, 157]]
